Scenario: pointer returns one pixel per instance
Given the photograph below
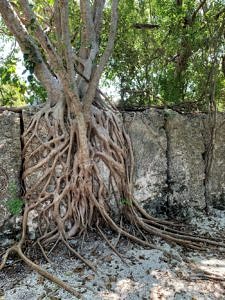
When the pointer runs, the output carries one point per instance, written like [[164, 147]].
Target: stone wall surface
[[215, 185], [186, 168], [10, 167], [170, 154], [149, 143]]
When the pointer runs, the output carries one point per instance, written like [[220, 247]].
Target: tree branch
[[57, 23], [42, 38], [103, 60], [220, 13], [66, 42], [197, 10], [145, 26], [87, 33], [98, 15], [54, 59], [89, 42], [28, 47]]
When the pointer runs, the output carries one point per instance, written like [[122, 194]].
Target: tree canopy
[[170, 52], [166, 53]]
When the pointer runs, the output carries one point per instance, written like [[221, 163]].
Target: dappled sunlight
[[127, 285], [172, 283], [148, 275], [182, 284], [123, 289], [213, 265]]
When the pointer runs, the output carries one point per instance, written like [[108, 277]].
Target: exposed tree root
[[17, 249], [110, 245], [204, 274], [72, 186]]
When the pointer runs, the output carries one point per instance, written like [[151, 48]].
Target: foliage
[[125, 202], [14, 204], [17, 89], [12, 88], [170, 62]]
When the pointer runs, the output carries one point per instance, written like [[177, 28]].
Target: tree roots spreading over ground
[[68, 192]]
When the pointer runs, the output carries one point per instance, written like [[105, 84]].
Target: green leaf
[[15, 206]]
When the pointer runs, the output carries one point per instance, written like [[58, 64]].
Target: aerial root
[[71, 249], [180, 238], [76, 254], [44, 254], [111, 245], [17, 249], [190, 241], [159, 228]]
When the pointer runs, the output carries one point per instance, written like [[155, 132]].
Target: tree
[[11, 88], [165, 48], [77, 133], [14, 90]]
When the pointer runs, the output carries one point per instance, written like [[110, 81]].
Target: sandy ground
[[148, 273]]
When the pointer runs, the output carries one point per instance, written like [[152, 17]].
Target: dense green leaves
[[12, 88], [170, 61], [17, 89], [167, 52]]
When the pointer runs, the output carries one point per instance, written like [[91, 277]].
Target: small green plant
[[14, 204], [125, 201]]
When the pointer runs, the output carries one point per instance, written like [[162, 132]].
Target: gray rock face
[[170, 171], [216, 183], [186, 169], [10, 166], [149, 145]]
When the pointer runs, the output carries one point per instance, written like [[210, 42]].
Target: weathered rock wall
[[186, 169], [10, 171], [170, 153], [215, 185], [10, 157], [149, 140]]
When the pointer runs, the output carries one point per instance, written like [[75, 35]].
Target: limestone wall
[[169, 149], [10, 170], [10, 157]]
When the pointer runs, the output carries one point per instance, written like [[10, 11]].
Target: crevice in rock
[[168, 191], [207, 157], [205, 181], [22, 158], [19, 111]]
